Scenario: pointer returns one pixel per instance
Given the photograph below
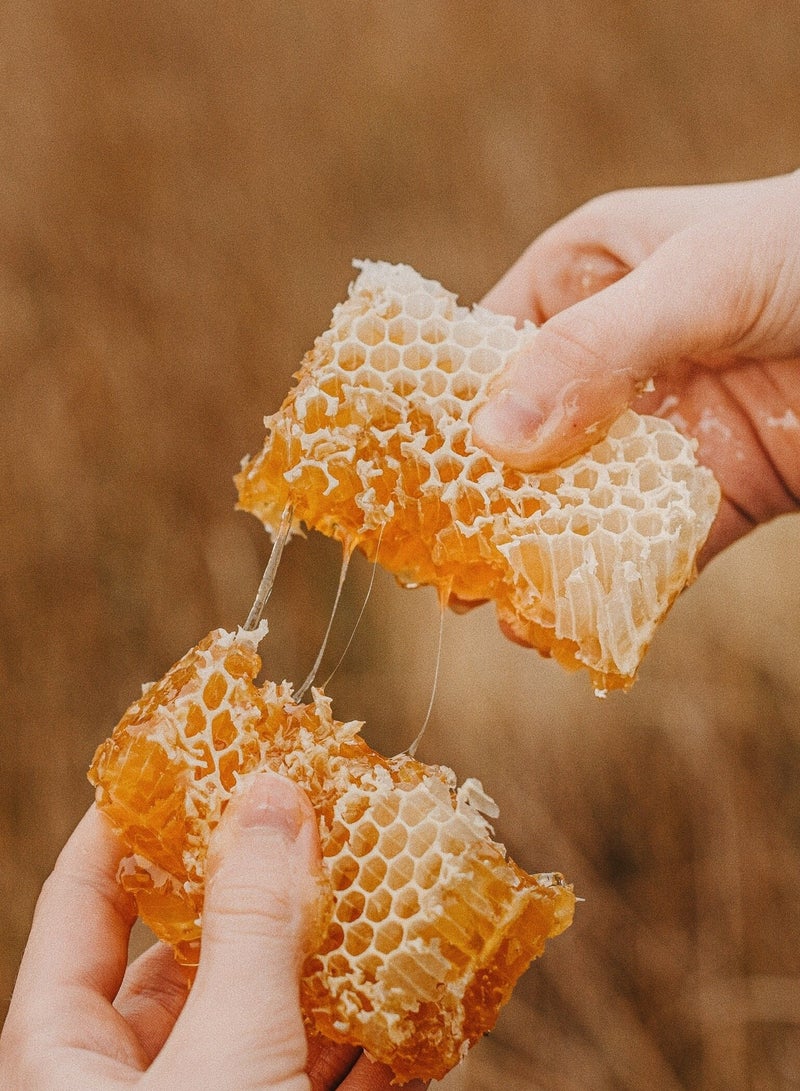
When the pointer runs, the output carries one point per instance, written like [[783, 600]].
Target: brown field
[[183, 187]]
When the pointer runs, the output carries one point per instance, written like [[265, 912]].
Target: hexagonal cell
[[372, 873], [402, 331], [434, 332], [503, 338], [584, 479], [648, 478], [385, 357], [379, 906], [343, 872], [427, 869], [452, 841], [370, 965], [485, 360], [527, 505], [636, 447], [389, 937], [615, 520], [619, 475], [350, 907], [403, 381], [338, 966], [370, 330], [465, 386], [649, 524], [580, 523], [406, 903], [364, 839], [214, 690], [421, 839], [433, 383], [333, 940], [450, 359], [602, 497], [400, 873], [384, 812], [467, 333], [352, 355], [367, 379], [476, 466], [417, 356], [358, 938], [448, 466], [392, 308], [229, 766], [632, 500], [416, 473], [223, 730], [602, 454], [668, 444], [394, 840]]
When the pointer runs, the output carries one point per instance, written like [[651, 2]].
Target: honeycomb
[[423, 926], [373, 447]]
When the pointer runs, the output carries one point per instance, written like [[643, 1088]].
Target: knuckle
[[598, 211], [574, 340], [250, 909], [168, 991]]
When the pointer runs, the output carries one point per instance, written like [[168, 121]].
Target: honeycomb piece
[[171, 763], [373, 445], [425, 924]]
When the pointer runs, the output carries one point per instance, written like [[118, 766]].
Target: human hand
[[696, 288], [78, 1019]]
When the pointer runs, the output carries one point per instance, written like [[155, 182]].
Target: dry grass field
[[183, 187]]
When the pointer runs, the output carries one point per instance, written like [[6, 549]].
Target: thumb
[[705, 295], [242, 1027]]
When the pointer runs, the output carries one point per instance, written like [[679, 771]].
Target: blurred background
[[183, 188]]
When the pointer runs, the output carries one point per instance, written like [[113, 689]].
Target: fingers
[[369, 1076], [553, 273], [597, 244], [706, 294], [583, 367], [152, 996], [331, 1065], [72, 968], [328, 1063], [241, 1026], [78, 945]]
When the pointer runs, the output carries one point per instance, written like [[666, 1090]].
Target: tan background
[[182, 188]]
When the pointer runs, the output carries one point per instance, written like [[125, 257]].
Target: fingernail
[[272, 802], [511, 418], [507, 421], [594, 271]]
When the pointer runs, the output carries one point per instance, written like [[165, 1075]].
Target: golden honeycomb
[[373, 446], [425, 925]]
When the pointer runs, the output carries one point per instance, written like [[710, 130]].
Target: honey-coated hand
[[80, 1018], [684, 302]]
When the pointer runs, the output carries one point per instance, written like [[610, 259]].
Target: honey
[[424, 926]]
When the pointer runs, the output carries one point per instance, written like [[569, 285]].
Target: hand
[[78, 1019], [694, 288]]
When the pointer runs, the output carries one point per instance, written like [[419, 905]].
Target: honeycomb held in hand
[[374, 443], [425, 925]]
